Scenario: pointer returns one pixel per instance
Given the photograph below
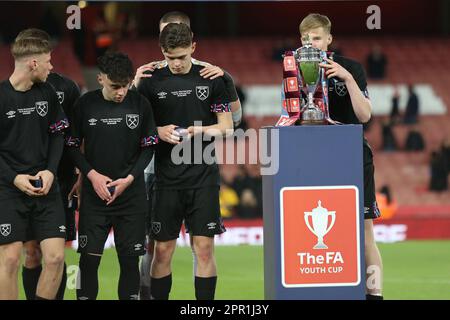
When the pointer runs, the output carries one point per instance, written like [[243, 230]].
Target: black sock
[[205, 288], [88, 277], [129, 278], [62, 286], [160, 288], [30, 278], [373, 297]]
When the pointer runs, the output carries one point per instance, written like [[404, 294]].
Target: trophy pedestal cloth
[[314, 214]]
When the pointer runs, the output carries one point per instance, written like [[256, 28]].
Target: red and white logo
[[320, 236], [291, 84], [294, 105], [289, 63]]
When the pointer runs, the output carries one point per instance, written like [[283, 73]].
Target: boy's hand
[[211, 72], [334, 69]]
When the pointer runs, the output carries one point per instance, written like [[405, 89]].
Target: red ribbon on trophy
[[292, 94]]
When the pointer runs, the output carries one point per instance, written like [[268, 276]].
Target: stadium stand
[[411, 60]]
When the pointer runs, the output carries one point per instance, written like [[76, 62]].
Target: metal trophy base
[[312, 116], [312, 122]]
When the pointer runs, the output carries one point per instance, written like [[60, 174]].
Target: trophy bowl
[[309, 59]]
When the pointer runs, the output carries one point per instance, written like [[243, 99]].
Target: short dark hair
[[175, 35], [117, 66], [175, 17]]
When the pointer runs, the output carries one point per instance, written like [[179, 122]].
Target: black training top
[[340, 103], [181, 99], [115, 139], [68, 92], [27, 121]]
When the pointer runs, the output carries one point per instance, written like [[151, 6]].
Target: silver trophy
[[320, 225], [308, 59]]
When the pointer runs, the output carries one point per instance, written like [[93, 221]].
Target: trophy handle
[[333, 219], [307, 214]]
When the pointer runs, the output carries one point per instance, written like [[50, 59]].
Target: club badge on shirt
[[132, 121], [340, 88], [42, 108], [202, 92], [60, 96]]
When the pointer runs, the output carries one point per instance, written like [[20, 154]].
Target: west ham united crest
[[202, 92], [132, 121], [5, 229], [60, 96], [156, 227], [340, 88], [42, 108], [82, 241]]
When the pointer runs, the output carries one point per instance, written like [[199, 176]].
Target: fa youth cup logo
[[5, 229], [320, 226], [132, 121], [42, 108], [202, 92]]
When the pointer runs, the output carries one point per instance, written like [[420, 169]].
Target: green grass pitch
[[412, 270]]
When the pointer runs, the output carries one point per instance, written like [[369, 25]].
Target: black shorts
[[129, 233], [371, 210], [199, 208], [69, 210], [27, 218]]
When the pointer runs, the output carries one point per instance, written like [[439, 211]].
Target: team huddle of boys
[[59, 149]]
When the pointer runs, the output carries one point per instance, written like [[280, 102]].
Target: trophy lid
[[308, 53], [319, 209]]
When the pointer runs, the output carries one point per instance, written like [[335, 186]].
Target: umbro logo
[[62, 228], [211, 225], [162, 95], [92, 122], [137, 247], [11, 114]]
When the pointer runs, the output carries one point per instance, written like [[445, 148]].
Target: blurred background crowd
[[406, 62]]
